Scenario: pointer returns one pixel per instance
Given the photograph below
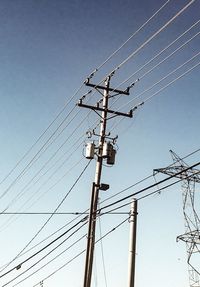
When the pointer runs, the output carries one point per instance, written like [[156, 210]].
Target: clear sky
[[47, 50]]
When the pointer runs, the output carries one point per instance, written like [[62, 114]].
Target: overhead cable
[[39, 138], [173, 81], [161, 52], [68, 262], [47, 221], [54, 258], [42, 258], [133, 35], [154, 35], [23, 190], [149, 187]]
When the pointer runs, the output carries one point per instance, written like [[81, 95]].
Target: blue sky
[[47, 50]]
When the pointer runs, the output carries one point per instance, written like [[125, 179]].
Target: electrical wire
[[47, 221], [41, 267], [80, 253], [35, 192], [183, 9], [157, 191], [161, 52], [44, 248], [39, 138], [34, 158], [161, 89], [115, 69], [47, 254], [127, 188], [154, 35], [173, 81], [146, 178], [149, 187], [127, 219], [133, 35], [8, 221], [158, 54], [171, 54], [46, 238], [23, 190], [160, 62]]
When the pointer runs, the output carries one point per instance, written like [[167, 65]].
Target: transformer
[[89, 150], [109, 153]]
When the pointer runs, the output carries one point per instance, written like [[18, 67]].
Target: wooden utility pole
[[97, 186]]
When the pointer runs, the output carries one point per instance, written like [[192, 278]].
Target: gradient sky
[[47, 50]]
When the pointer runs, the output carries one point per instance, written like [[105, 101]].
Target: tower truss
[[191, 236]]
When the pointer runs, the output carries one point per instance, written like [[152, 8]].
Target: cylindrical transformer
[[89, 150], [107, 148], [111, 158]]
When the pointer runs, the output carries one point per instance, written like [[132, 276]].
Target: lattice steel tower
[[191, 218]]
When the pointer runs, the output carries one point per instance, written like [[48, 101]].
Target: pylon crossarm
[[192, 174], [190, 237]]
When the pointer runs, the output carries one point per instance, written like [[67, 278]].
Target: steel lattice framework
[[191, 219]]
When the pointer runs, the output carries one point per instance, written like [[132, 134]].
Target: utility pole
[[132, 243], [104, 151]]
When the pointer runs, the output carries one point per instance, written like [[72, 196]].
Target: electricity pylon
[[191, 218]]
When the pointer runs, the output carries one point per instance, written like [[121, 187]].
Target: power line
[[37, 262], [173, 81], [119, 66], [133, 35], [162, 61], [149, 187], [136, 193], [172, 72], [41, 267], [158, 64], [57, 213], [125, 205], [33, 203], [161, 52], [45, 247], [116, 194], [47, 221], [80, 253], [45, 239], [33, 159], [164, 87], [171, 54], [188, 155], [159, 190], [23, 190], [154, 35], [39, 138], [146, 178], [47, 180]]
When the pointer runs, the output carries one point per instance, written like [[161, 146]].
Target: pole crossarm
[[129, 115], [126, 92]]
